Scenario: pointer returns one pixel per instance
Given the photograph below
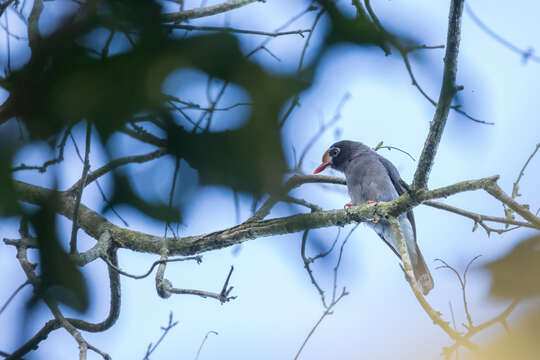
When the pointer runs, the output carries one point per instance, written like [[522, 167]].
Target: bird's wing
[[399, 185]]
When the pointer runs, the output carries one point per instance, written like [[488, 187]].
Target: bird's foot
[[373, 203]]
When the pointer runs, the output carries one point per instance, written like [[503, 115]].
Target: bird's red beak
[[326, 162]]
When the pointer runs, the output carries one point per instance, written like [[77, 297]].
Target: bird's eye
[[333, 152]]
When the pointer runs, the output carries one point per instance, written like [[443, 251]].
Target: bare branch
[[296, 98], [292, 183], [404, 53], [13, 295], [196, 13], [96, 174], [307, 261], [522, 210], [94, 224], [302, 202], [381, 146], [515, 188], [233, 30], [78, 195], [198, 259], [448, 90], [525, 54], [289, 22], [222, 296], [322, 129], [434, 315], [479, 218], [463, 285], [327, 311], [328, 308], [46, 164], [165, 330], [203, 342]]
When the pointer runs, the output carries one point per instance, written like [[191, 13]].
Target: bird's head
[[337, 155]]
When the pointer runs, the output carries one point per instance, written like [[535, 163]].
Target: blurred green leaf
[[517, 274], [60, 277], [9, 205], [124, 194], [520, 343]]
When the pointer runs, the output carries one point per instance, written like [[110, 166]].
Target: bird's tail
[[421, 273], [420, 269]]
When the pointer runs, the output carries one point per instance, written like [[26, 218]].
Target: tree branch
[[80, 189], [94, 224], [479, 218], [233, 30], [205, 11], [448, 90], [434, 315], [117, 163]]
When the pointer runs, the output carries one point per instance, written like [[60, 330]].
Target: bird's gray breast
[[368, 180]]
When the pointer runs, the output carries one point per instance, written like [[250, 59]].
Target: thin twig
[[434, 315], [102, 192], [46, 164], [13, 295], [328, 308], [463, 285], [404, 53], [78, 195], [525, 54], [171, 324], [197, 258], [196, 13], [289, 22], [307, 261], [479, 218], [233, 30], [171, 193], [203, 342], [296, 98], [515, 188], [96, 174], [327, 311], [336, 268], [381, 146], [323, 128], [222, 296], [302, 202]]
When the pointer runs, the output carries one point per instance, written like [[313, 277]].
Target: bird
[[371, 178]]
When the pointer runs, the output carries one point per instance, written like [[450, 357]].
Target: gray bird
[[372, 178]]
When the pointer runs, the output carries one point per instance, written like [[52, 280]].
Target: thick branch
[[448, 90], [95, 224]]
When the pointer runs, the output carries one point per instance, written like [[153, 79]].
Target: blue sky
[[277, 305]]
